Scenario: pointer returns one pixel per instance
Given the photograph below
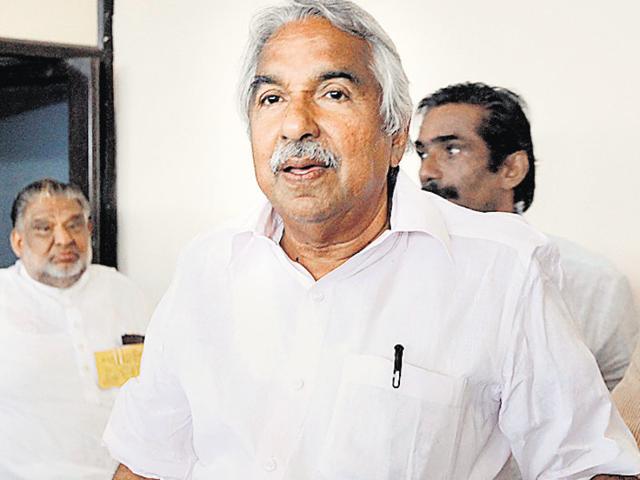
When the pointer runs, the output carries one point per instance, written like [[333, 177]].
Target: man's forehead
[[46, 206], [320, 76], [315, 44], [451, 120]]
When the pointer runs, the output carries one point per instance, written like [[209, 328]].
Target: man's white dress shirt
[[600, 301], [253, 370], [52, 412]]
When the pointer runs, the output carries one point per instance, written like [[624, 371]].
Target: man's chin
[[306, 216], [66, 271], [308, 207]]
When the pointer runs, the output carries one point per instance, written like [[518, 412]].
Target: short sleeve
[[150, 429], [556, 410]]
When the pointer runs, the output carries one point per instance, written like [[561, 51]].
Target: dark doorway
[[34, 131], [56, 120]]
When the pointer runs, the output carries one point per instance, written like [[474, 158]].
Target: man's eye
[[423, 155], [452, 150], [42, 228], [270, 99], [336, 95]]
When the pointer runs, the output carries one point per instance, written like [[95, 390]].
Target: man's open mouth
[[303, 167], [303, 170]]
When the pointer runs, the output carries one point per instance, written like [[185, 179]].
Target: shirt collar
[[416, 211], [412, 211]]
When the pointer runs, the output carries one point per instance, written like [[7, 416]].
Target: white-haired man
[[357, 328], [56, 310]]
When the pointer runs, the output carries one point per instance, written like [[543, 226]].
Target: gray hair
[[49, 187], [302, 149], [395, 105]]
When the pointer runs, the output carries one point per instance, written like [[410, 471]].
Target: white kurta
[[52, 412], [254, 370]]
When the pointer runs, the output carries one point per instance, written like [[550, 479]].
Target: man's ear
[[17, 241], [90, 227], [398, 146], [514, 169]]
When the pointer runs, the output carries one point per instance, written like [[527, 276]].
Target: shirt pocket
[[378, 432]]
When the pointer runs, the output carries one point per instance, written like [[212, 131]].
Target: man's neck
[[60, 282], [53, 281], [321, 248]]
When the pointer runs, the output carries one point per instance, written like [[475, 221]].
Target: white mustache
[[302, 149]]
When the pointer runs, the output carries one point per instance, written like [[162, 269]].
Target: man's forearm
[[123, 473]]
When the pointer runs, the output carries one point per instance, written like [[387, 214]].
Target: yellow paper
[[118, 365]]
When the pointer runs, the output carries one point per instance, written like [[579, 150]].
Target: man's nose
[[299, 120], [61, 235], [430, 169]]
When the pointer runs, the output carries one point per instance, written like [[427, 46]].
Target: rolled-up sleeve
[[150, 429], [556, 410]]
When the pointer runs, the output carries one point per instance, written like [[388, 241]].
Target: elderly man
[[56, 310], [357, 328], [476, 150]]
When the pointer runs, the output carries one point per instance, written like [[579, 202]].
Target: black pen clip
[[397, 366]]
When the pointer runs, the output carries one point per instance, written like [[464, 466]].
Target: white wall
[[72, 22], [184, 161]]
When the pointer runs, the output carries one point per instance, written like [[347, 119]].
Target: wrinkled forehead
[[312, 45], [53, 207]]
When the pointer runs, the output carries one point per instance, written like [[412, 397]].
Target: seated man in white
[[56, 310]]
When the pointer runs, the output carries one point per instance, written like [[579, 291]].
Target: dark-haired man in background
[[56, 310], [476, 150]]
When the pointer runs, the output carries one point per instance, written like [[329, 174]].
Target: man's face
[[53, 240], [314, 86], [455, 158]]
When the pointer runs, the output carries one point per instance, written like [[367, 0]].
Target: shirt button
[[270, 465], [317, 296], [298, 384]]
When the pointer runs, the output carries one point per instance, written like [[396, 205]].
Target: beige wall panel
[[72, 22]]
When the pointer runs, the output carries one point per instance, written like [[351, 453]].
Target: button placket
[[286, 423], [83, 353], [74, 322]]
